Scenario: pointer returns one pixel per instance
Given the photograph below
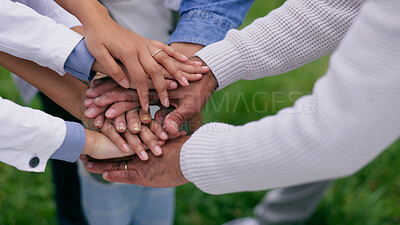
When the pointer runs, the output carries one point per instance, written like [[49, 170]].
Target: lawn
[[370, 197]]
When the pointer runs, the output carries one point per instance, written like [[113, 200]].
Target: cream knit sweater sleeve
[[352, 117], [293, 35]]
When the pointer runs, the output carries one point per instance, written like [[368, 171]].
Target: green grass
[[371, 196]]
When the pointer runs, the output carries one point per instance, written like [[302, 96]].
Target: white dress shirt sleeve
[[26, 34], [51, 9], [28, 137]]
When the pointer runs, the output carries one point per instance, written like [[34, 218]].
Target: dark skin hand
[[188, 101], [157, 172]]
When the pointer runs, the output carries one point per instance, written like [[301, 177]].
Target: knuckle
[[117, 165], [129, 52]]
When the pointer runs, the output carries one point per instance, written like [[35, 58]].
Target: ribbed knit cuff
[[198, 158], [224, 61]]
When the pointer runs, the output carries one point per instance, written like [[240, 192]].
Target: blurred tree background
[[370, 197]]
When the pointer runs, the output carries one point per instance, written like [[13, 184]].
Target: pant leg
[[124, 204], [65, 177], [291, 205]]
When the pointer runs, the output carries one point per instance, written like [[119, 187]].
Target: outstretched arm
[[351, 119], [296, 33]]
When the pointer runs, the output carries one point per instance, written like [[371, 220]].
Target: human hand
[[135, 53], [135, 131], [150, 173], [188, 101], [109, 86], [98, 146]]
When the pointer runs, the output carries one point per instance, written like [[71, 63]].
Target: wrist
[[212, 80], [187, 49], [91, 142], [91, 12]]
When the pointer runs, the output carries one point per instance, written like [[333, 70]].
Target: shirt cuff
[[200, 27], [224, 61], [73, 144], [80, 62]]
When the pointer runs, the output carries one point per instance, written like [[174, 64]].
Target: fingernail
[[144, 155], [204, 67], [173, 123], [173, 85], [88, 91], [197, 63], [136, 127], [184, 57], [199, 75], [110, 112], [97, 124], [124, 83], [90, 165], [158, 150], [90, 112], [184, 80], [87, 102], [164, 135], [146, 119], [121, 126], [166, 102], [97, 100], [105, 174], [125, 147]]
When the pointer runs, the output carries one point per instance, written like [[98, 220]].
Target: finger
[[158, 130], [88, 102], [133, 120], [99, 121], [136, 144], [149, 139], [161, 114], [154, 70], [122, 176], [111, 66], [192, 69], [96, 166], [174, 120], [180, 71], [104, 85], [138, 75], [145, 117], [116, 95], [180, 133], [109, 130], [193, 77], [120, 107], [170, 51], [93, 111], [120, 123]]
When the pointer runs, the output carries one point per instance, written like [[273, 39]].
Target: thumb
[[174, 120]]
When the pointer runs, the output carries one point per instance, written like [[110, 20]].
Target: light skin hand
[[99, 146], [178, 116], [106, 85], [107, 42], [188, 101], [150, 134], [150, 173]]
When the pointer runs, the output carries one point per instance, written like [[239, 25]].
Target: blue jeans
[[124, 204]]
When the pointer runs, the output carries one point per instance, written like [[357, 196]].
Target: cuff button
[[34, 162]]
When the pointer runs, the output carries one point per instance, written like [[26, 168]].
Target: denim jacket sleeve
[[207, 21]]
